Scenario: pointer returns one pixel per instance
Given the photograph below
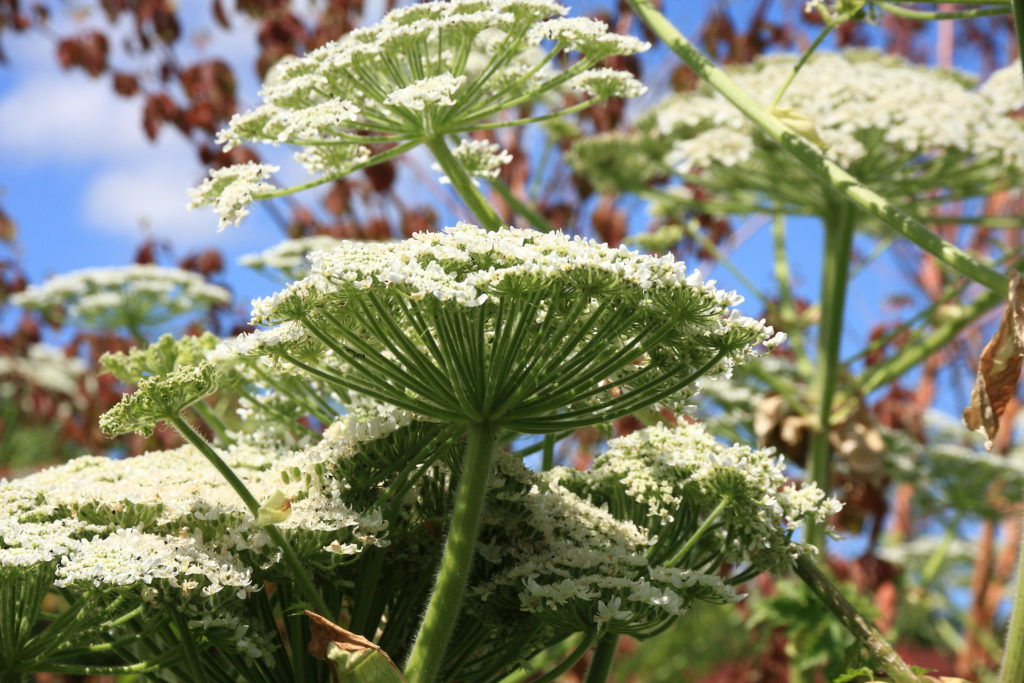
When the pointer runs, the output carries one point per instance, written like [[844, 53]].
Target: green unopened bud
[[800, 124], [159, 358], [276, 510], [159, 398], [366, 666]]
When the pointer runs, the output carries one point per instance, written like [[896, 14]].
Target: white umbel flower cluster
[[289, 256], [448, 266], [429, 70], [136, 296], [575, 565], [660, 476], [568, 286], [44, 366], [433, 91], [607, 83], [1005, 88], [231, 189], [862, 105]]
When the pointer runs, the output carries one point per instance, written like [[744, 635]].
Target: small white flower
[[431, 91], [610, 612], [231, 189]]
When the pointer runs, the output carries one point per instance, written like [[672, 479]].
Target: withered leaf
[[356, 658], [998, 368]]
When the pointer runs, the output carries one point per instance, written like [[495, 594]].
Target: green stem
[[463, 184], [1013, 658], [288, 553], [692, 541], [829, 172], [940, 16], [214, 422], [807, 54], [548, 459], [912, 354], [521, 675], [330, 178], [435, 631], [527, 211], [188, 644], [838, 244], [869, 636], [603, 658]]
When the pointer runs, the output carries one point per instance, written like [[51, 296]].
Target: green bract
[[535, 332], [424, 72]]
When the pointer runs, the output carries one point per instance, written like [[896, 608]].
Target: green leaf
[[853, 674]]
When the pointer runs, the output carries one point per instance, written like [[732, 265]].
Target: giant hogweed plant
[[370, 473]]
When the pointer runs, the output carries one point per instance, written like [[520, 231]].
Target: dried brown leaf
[[323, 633], [998, 368]]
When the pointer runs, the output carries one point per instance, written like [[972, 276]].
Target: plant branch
[[829, 172], [463, 184], [869, 636], [288, 553]]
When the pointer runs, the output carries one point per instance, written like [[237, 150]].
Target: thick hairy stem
[[838, 243], [603, 658], [869, 636], [299, 574], [463, 184], [828, 171], [426, 657]]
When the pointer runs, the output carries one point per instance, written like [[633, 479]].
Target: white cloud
[[148, 200], [69, 119]]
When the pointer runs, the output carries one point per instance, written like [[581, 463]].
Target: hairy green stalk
[[438, 623], [288, 553], [869, 636], [838, 244], [829, 172], [463, 184], [603, 658]]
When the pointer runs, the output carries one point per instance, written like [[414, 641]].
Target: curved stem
[[1013, 659], [435, 631], [869, 636], [908, 13], [603, 658], [830, 173], [290, 557], [463, 184], [807, 54], [838, 244], [555, 673], [692, 541]]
